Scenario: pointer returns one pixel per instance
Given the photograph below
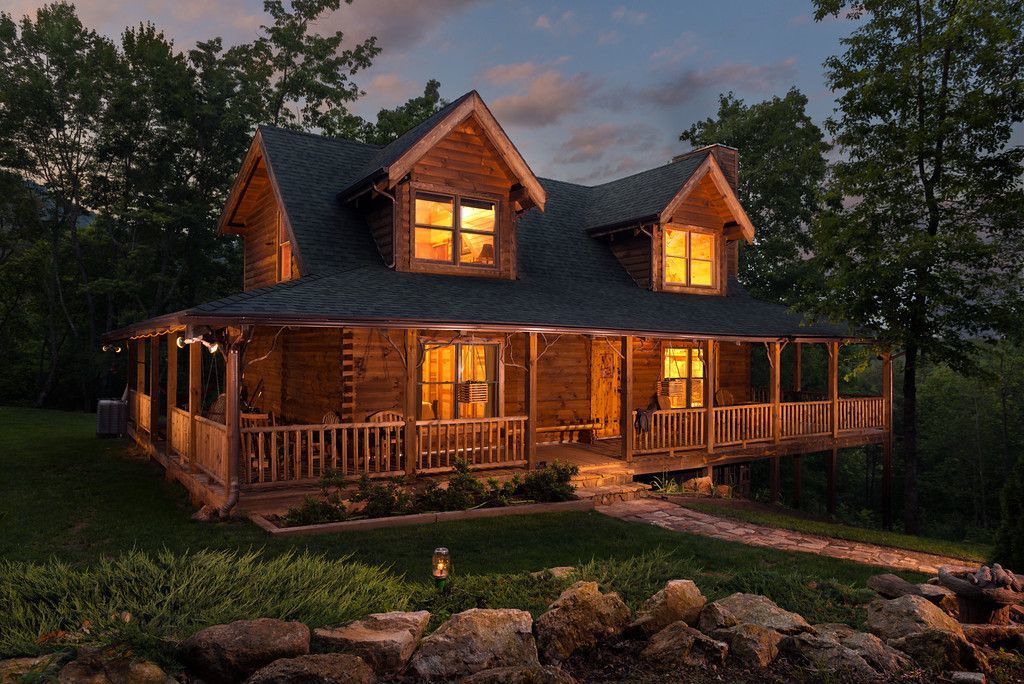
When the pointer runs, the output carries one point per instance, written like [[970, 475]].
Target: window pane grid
[[689, 258], [455, 230], [445, 368]]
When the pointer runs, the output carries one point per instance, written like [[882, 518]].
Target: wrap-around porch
[[296, 403]]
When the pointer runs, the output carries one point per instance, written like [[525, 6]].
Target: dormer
[[254, 211], [683, 236], [444, 197]]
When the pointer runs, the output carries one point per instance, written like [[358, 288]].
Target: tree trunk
[[911, 517]]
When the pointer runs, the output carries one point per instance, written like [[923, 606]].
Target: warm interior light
[[441, 564]]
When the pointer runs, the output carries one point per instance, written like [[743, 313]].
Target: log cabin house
[[408, 305]]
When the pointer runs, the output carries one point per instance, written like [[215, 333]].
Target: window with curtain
[[685, 365], [458, 380], [689, 258], [454, 229]]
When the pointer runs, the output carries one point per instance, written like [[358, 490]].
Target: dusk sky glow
[[587, 91]]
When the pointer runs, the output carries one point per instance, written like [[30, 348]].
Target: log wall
[[261, 241]]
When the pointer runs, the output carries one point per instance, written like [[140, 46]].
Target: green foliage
[[1009, 549], [551, 483], [782, 155], [314, 511], [383, 498], [391, 123], [146, 602]]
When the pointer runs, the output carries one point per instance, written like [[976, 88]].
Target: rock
[[580, 617], [760, 610], [385, 641], [232, 652], [895, 618], [558, 572], [206, 514], [475, 640], [681, 643], [14, 669], [752, 645], [1010, 637], [967, 677], [723, 491], [824, 654], [521, 675], [92, 666], [678, 600], [877, 653], [891, 586], [321, 668], [938, 650], [714, 616], [700, 485], [942, 597]]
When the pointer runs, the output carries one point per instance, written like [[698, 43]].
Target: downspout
[[394, 226]]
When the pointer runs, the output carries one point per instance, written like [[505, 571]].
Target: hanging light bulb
[[117, 349], [213, 347], [180, 342], [105, 347]]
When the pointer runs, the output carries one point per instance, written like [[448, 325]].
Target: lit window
[[689, 258], [683, 377], [438, 231], [458, 381]]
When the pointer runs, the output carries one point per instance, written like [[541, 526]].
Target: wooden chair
[[385, 416]]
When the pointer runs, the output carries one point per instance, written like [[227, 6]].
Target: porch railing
[[671, 429], [483, 442], [288, 453], [806, 418], [178, 431], [859, 413], [743, 424], [211, 453], [140, 405]]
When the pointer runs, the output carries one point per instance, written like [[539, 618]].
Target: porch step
[[590, 479], [608, 494]]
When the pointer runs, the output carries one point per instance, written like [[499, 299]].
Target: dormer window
[[454, 229], [689, 257]]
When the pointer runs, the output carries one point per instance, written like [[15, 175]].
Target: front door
[[605, 379]]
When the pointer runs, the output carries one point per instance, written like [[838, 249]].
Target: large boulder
[[531, 674], [580, 618], [475, 640], [751, 645], [321, 668], [823, 654], [385, 641], [760, 610], [874, 651], [678, 600], [95, 667], [715, 616], [680, 643], [232, 652], [895, 618], [922, 630], [700, 485]]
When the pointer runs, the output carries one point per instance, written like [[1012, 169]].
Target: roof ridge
[[318, 136], [653, 168]]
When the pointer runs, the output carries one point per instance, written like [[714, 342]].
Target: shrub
[[313, 511], [553, 483], [169, 597], [1009, 549], [382, 498]]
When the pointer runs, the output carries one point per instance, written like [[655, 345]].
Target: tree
[[923, 244], [1009, 548], [307, 76], [392, 123], [782, 170]]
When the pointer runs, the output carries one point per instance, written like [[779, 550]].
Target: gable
[[466, 159]]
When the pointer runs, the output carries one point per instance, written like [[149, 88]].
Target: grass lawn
[[67, 496], [771, 518]]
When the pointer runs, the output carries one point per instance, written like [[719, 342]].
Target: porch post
[[130, 373], [710, 378], [172, 383], [775, 389], [531, 400], [154, 388], [797, 367], [626, 397], [412, 362], [887, 440], [833, 386], [232, 410], [195, 399]]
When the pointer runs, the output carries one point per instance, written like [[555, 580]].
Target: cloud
[[628, 16], [397, 24], [391, 87], [590, 143], [503, 74], [609, 37], [682, 47], [557, 23], [543, 98], [687, 83]]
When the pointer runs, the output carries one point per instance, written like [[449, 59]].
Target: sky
[[588, 91]]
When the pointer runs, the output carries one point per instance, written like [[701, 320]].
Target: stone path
[[674, 517]]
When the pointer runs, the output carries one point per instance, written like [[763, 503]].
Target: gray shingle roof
[[566, 278]]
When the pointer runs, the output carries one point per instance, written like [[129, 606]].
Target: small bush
[[168, 597], [382, 498], [553, 483], [313, 511]]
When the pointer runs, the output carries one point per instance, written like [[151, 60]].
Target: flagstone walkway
[[681, 519]]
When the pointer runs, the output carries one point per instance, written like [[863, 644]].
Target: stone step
[[608, 494]]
